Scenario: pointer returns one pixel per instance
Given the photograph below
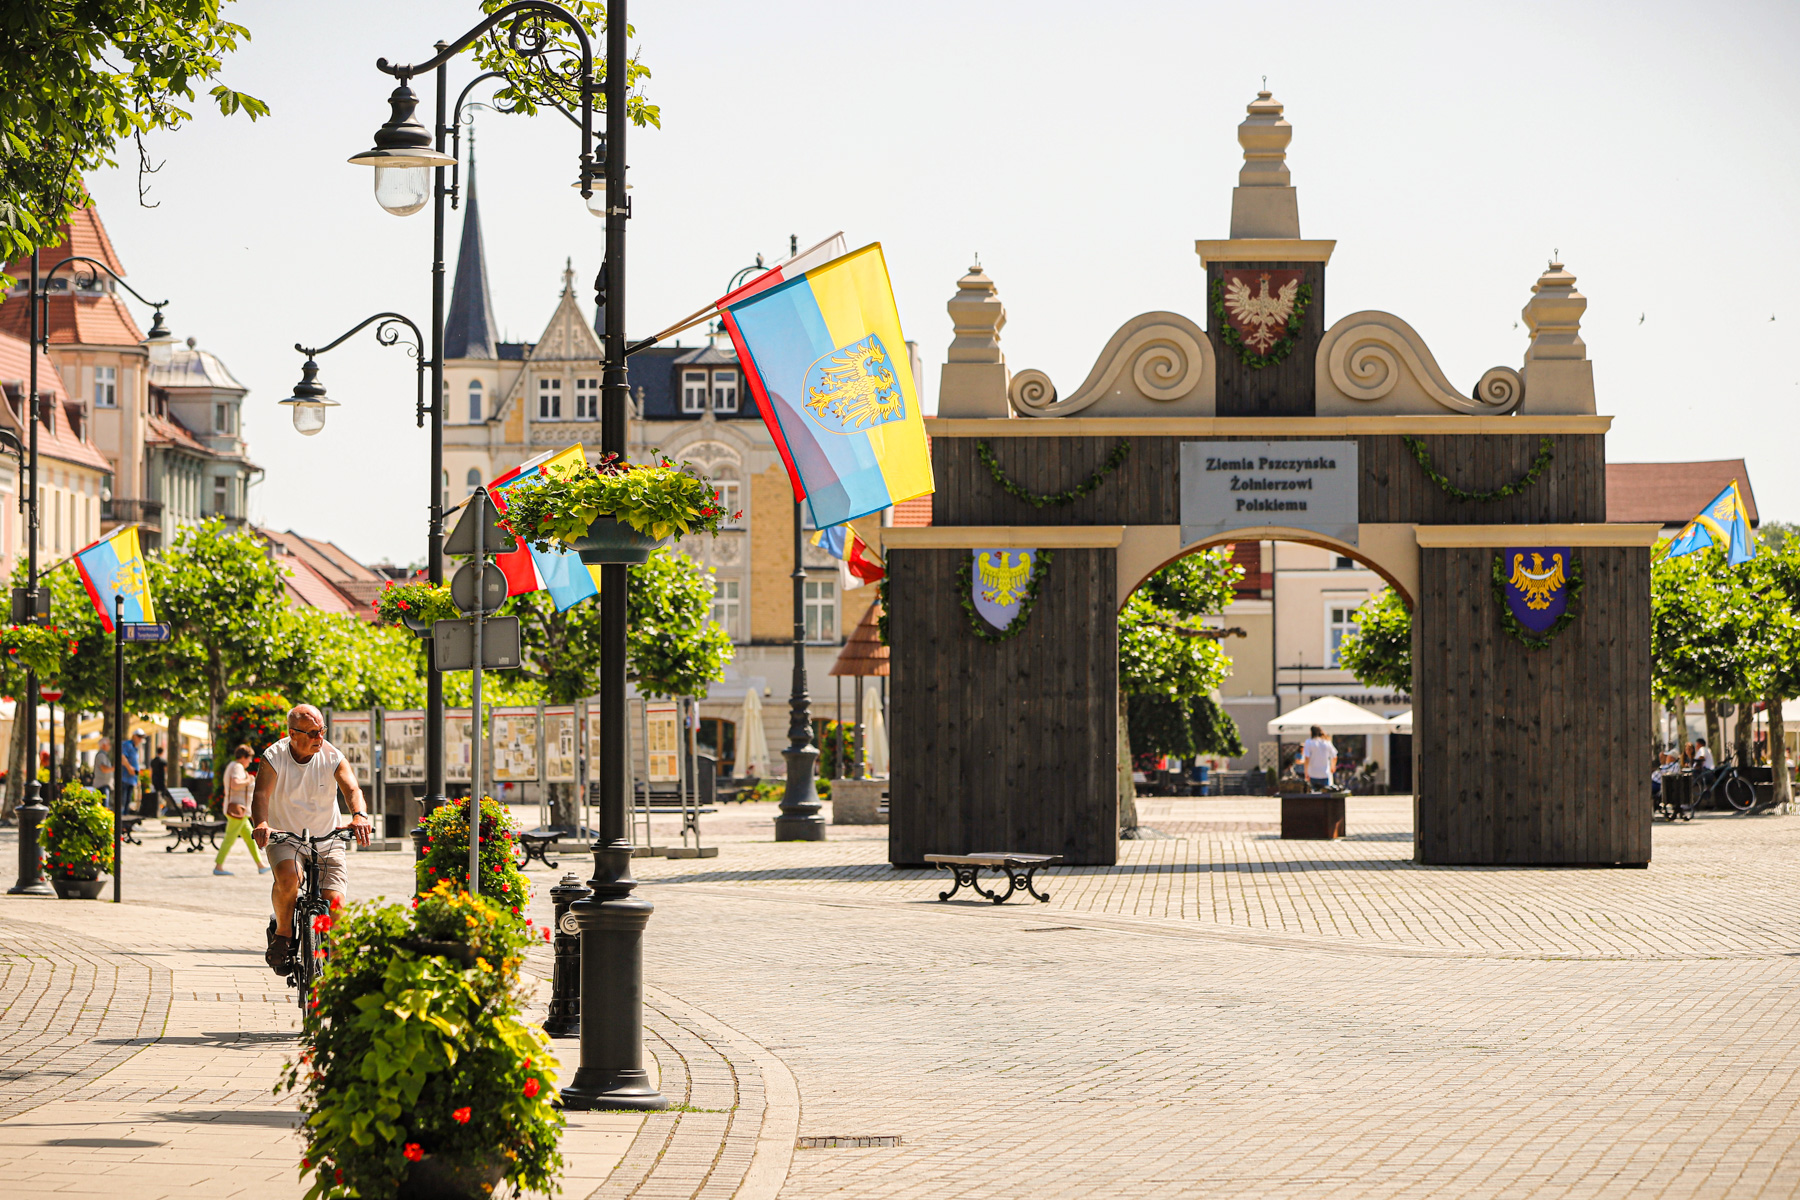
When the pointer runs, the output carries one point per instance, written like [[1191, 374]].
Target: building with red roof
[[1671, 494], [73, 475]]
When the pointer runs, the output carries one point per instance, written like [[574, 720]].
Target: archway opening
[[1300, 599]]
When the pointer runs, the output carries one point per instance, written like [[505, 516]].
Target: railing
[[129, 512]]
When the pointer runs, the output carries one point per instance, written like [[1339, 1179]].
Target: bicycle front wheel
[[303, 957], [1739, 794]]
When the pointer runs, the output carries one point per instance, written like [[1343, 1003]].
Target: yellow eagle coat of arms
[[1001, 579]]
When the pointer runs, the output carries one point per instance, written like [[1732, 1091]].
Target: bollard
[[565, 978]]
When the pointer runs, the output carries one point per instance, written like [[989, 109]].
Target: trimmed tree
[[1379, 653]]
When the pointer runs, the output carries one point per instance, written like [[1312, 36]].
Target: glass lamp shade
[[596, 199], [402, 190], [309, 418]]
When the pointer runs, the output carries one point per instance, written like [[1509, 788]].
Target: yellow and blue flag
[[823, 354], [114, 566], [1724, 522], [558, 570]]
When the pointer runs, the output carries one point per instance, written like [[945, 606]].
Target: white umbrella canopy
[[1790, 715], [753, 747], [1333, 714], [1400, 722], [875, 758]]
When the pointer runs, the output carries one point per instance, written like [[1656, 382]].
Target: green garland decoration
[[1282, 348], [1546, 451], [965, 582], [1038, 500], [881, 598], [1511, 623]]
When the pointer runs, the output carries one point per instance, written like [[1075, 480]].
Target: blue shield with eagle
[[1537, 585], [1000, 580], [853, 388]]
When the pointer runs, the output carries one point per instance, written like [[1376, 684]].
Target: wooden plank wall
[[1146, 490], [1006, 746], [1287, 389], [1532, 756]]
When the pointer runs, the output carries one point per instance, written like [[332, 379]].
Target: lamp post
[[612, 919], [800, 819], [309, 403], [28, 605]]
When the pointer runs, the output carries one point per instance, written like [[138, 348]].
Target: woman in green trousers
[[240, 786]]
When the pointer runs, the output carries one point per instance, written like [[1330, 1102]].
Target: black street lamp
[[309, 402], [612, 919], [801, 819], [28, 605]]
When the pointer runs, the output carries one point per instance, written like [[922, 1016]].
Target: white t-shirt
[[1319, 756], [1706, 758], [305, 798]]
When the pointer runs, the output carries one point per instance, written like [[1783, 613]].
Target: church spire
[[469, 327]]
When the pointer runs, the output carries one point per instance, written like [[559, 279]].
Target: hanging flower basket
[[614, 511], [610, 540], [418, 606]]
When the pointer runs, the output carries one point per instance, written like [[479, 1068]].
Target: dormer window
[[725, 391], [224, 419], [549, 399], [693, 391]]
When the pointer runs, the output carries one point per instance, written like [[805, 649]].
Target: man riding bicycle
[[297, 792]]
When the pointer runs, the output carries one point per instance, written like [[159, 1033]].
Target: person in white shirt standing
[[1320, 757], [297, 793]]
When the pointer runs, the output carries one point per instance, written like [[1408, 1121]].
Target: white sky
[[1449, 148]]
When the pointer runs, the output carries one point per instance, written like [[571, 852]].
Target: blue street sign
[[152, 631]]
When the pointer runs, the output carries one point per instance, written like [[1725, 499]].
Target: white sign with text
[[1235, 485]]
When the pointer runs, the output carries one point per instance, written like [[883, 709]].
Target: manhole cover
[[843, 1143]]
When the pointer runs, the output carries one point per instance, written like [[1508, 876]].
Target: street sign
[[494, 540], [453, 644], [30, 607], [151, 631], [492, 586]]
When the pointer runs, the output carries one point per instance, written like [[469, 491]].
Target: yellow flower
[[483, 964]]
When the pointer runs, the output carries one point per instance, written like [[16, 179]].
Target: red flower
[[321, 923], [528, 1064], [546, 933], [531, 1088], [403, 604], [506, 887], [412, 1153], [305, 1162], [461, 1116], [339, 1173], [337, 902]]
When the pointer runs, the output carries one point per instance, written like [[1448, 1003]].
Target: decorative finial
[[977, 265], [1264, 204], [974, 378], [1558, 376], [568, 276]]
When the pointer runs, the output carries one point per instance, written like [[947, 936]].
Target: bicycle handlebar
[[282, 836]]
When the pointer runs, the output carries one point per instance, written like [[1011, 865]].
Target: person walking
[[103, 780], [159, 779], [1320, 757], [130, 763], [240, 789]]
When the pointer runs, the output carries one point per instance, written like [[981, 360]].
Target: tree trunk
[[172, 751], [563, 809], [1128, 815], [1778, 761], [71, 746], [15, 765], [1712, 729], [1741, 742]]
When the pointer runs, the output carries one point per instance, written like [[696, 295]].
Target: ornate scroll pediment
[[1158, 364], [1375, 364]]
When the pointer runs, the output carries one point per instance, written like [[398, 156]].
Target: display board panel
[[403, 738], [514, 740], [354, 734], [663, 721], [559, 744], [456, 745]]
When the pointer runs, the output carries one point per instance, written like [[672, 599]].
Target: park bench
[[1020, 869], [128, 829], [536, 843], [193, 832]]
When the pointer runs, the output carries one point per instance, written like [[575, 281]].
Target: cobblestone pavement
[[1221, 1014]]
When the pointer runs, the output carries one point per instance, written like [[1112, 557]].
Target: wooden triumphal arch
[[1530, 736]]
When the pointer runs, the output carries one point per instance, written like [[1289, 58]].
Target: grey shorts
[[333, 877]]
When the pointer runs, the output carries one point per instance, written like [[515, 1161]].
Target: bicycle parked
[[308, 905]]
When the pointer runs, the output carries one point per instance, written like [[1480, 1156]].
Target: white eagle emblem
[[1537, 585], [1003, 580], [1263, 317]]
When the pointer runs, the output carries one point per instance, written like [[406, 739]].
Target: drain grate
[[843, 1143], [1048, 928]]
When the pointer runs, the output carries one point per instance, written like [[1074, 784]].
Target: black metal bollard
[[565, 978]]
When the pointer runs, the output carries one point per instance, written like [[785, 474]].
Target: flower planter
[[79, 889], [461, 952], [422, 628], [433, 1178], [609, 540]]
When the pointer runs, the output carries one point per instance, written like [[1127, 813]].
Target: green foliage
[[524, 92], [1726, 633], [446, 858], [413, 1052], [561, 649], [1379, 653], [254, 719], [77, 78], [673, 647], [335, 660], [78, 834], [1167, 663], [1069, 495], [1546, 451], [421, 603], [86, 678], [1215, 731], [39, 648], [225, 601], [659, 500]]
